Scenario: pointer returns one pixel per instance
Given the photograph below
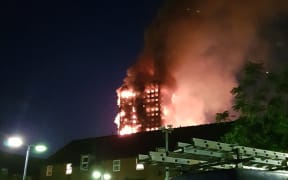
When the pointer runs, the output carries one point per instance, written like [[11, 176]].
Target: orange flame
[[127, 119], [128, 130], [127, 94]]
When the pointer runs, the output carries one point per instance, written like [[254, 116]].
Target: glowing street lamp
[[96, 174], [100, 176], [40, 148], [16, 142]]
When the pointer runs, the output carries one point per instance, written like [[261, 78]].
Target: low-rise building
[[116, 156]]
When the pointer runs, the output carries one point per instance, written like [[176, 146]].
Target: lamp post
[[38, 148], [167, 130], [26, 161], [15, 142]]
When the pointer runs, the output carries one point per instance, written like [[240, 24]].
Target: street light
[[98, 175], [38, 148], [167, 130], [16, 142]]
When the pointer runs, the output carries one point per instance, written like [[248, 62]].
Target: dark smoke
[[196, 48]]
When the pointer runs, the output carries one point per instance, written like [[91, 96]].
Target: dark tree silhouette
[[261, 99]]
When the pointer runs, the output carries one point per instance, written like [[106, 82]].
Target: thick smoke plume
[[196, 48]]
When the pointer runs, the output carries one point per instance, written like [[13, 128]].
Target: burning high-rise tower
[[139, 110], [195, 49]]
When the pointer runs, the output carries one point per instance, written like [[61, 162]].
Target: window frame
[[116, 165], [49, 170]]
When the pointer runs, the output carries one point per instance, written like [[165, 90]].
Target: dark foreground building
[[117, 155], [194, 153]]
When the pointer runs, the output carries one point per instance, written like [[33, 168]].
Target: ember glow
[[127, 94], [194, 51], [128, 130]]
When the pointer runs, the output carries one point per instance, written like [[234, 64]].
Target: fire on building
[[196, 49], [139, 110]]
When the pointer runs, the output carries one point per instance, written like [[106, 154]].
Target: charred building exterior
[[139, 110]]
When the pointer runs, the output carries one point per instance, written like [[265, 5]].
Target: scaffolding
[[205, 155]]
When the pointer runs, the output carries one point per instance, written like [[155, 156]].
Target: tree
[[222, 117], [261, 99]]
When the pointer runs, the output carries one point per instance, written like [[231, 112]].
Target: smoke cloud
[[196, 49]]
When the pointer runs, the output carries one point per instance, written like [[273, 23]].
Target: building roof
[[114, 146]]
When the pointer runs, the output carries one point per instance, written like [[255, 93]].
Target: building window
[[139, 166], [49, 170], [68, 169], [84, 163], [116, 165], [4, 171]]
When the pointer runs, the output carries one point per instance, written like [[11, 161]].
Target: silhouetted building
[[117, 155]]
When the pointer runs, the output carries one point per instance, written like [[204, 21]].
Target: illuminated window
[[49, 170], [139, 166], [116, 165], [84, 163], [122, 113], [68, 168]]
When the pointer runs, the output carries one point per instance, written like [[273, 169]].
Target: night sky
[[61, 63]]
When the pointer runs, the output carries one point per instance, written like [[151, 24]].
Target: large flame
[[195, 49], [138, 110], [128, 130]]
